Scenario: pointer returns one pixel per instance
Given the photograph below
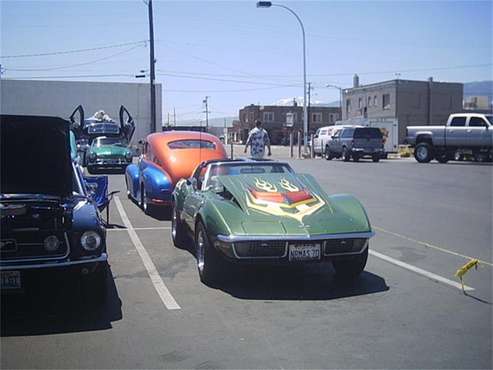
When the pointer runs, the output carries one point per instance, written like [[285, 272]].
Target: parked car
[[100, 124], [108, 153], [464, 132], [356, 143], [49, 217], [262, 212], [168, 157], [322, 138]]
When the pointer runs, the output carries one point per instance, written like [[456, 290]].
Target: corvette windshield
[[244, 169]]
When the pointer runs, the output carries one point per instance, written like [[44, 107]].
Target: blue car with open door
[[50, 215]]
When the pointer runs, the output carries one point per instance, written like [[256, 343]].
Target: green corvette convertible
[[262, 212], [108, 153]]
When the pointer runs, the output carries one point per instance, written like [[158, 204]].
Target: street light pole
[[152, 61], [268, 4], [340, 95]]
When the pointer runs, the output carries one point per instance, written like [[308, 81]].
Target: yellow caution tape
[[464, 269]]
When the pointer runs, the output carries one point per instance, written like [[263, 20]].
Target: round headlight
[[90, 240], [92, 156], [51, 243], [129, 156]]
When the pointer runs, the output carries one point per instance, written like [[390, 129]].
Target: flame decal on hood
[[292, 202]]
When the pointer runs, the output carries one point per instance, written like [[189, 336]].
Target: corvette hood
[[290, 204]]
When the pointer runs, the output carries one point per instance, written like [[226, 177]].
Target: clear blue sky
[[199, 44]]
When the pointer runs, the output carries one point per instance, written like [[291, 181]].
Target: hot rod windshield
[[191, 144]]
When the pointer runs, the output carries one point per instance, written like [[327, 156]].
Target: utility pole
[[168, 119], [174, 117], [152, 62], [206, 102]]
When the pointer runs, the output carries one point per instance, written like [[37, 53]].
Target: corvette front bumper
[[279, 248]]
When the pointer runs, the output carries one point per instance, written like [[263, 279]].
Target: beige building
[[410, 102]]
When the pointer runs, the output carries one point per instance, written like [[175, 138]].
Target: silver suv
[[356, 143]]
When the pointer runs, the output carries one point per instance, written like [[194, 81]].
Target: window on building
[[458, 121], [268, 116], [386, 101], [348, 105], [375, 101], [331, 118], [360, 103], [251, 117], [316, 117], [368, 104]]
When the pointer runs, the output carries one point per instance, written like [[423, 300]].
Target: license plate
[[304, 252], [10, 280]]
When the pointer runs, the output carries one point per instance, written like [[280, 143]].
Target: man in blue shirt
[[258, 138]]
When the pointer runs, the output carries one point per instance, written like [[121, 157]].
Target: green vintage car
[[108, 153], [262, 212]]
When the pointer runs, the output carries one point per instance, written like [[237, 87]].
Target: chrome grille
[[260, 249]]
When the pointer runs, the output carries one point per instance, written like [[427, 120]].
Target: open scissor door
[[77, 125], [127, 124]]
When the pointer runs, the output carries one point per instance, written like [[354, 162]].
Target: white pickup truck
[[464, 132]]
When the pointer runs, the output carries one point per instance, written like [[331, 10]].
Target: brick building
[[410, 102], [279, 120]]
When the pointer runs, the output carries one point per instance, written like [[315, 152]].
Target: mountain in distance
[[479, 88]]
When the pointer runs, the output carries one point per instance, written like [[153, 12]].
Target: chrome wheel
[[422, 153], [173, 224], [200, 250]]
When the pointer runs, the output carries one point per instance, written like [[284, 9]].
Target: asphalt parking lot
[[407, 310]]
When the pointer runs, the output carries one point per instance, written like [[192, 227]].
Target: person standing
[[258, 138]]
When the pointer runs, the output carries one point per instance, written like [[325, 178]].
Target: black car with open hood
[[49, 216]]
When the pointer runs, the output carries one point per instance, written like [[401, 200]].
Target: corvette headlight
[[51, 243], [90, 240]]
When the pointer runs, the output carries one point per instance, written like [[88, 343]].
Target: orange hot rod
[[168, 157]]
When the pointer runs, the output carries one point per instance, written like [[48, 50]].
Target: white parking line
[[417, 270], [429, 245], [156, 280], [142, 228]]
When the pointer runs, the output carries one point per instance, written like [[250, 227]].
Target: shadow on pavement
[[308, 282], [53, 306]]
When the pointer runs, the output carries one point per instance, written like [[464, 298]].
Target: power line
[[71, 76], [74, 65], [224, 80], [341, 73], [230, 90], [74, 50]]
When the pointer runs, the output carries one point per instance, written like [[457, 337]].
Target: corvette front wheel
[[207, 259], [177, 228], [348, 268]]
